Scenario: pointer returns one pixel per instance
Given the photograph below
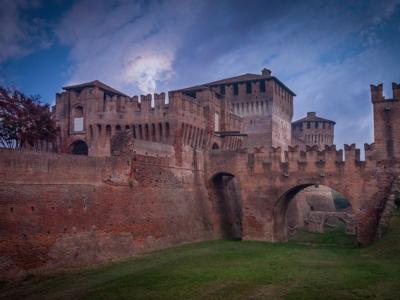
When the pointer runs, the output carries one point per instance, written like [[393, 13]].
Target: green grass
[[333, 236], [318, 269]]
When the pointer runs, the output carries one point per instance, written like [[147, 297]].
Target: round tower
[[313, 130]]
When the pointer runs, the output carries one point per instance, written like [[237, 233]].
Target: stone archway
[[79, 147], [225, 194], [317, 219]]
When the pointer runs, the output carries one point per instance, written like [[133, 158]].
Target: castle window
[[216, 122], [108, 130], [308, 125], [140, 132], [235, 89], [316, 124], [78, 118], [167, 129], [248, 87], [153, 132], [134, 131], [146, 131], [160, 130], [262, 86], [118, 128], [222, 87], [91, 131]]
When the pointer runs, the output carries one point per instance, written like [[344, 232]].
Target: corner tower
[[386, 122], [313, 130]]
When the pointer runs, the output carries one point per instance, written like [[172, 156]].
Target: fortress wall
[[61, 211]]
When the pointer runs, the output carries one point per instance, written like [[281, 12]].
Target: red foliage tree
[[24, 120]]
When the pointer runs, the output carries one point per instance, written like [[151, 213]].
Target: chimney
[[311, 115], [266, 72]]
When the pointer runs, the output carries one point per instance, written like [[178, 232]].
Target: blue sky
[[328, 52]]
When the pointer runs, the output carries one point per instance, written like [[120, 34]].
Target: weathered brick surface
[[68, 211], [63, 210], [268, 184]]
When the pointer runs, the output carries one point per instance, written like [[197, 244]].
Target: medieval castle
[[221, 159], [249, 110]]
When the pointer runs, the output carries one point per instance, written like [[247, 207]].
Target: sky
[[327, 52]]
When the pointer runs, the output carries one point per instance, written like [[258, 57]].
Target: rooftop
[[95, 83], [312, 116], [265, 75]]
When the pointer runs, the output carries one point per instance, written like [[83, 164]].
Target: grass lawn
[[308, 267]]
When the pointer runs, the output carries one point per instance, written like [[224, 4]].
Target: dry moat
[[313, 266]]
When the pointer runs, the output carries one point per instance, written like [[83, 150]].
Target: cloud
[[328, 53], [128, 44], [20, 35]]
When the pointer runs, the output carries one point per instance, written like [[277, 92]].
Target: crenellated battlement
[[386, 122], [377, 93], [312, 155]]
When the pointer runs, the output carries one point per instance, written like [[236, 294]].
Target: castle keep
[[247, 110], [216, 160]]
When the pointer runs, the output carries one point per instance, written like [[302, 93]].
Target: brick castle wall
[[69, 211]]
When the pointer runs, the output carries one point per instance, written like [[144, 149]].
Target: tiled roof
[[313, 119], [236, 79], [240, 78], [95, 83]]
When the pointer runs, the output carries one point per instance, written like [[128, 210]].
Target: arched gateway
[[269, 179]]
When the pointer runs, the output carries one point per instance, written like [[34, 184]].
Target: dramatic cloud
[[328, 52], [18, 35], [127, 44]]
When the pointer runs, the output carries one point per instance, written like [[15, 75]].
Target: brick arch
[[282, 203], [79, 147], [224, 189]]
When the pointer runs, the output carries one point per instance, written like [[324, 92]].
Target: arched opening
[[79, 148], [215, 146], [302, 212], [108, 130], [225, 193]]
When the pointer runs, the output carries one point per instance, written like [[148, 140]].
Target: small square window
[[78, 124]]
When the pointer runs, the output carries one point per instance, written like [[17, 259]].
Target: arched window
[[79, 148], [215, 146]]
